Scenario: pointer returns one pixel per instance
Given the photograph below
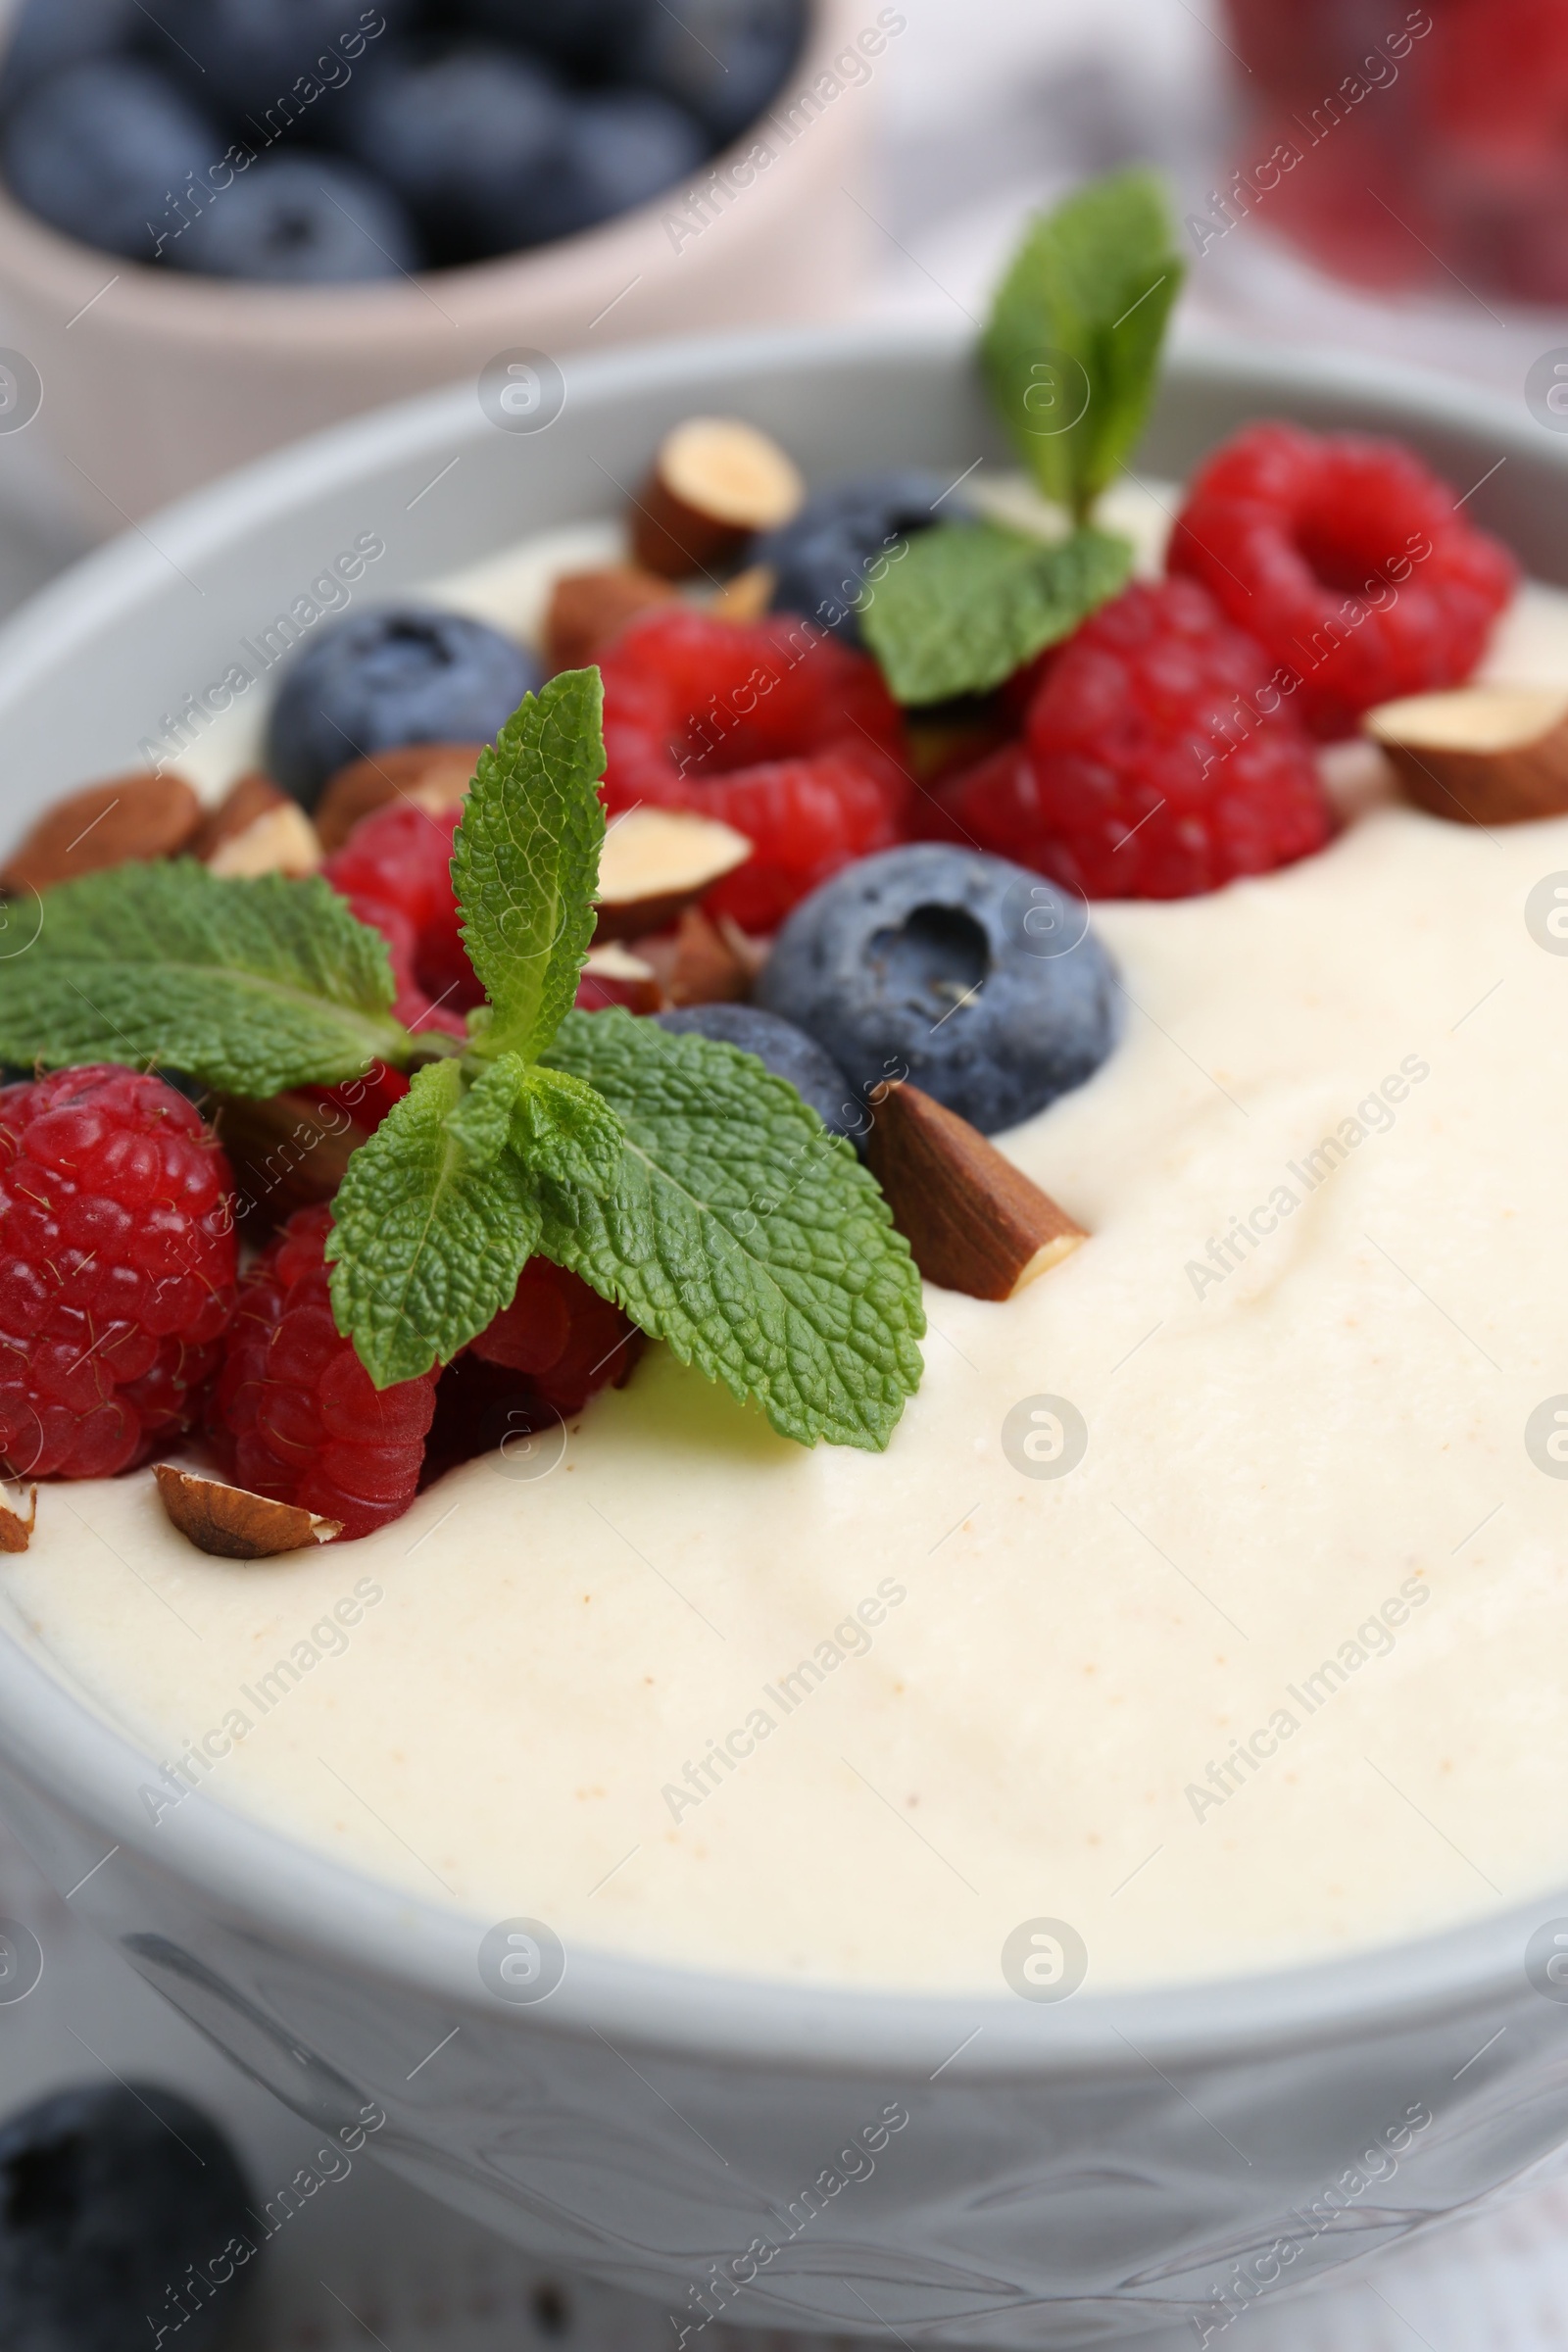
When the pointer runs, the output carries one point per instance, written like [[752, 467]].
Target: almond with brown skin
[[714, 482], [973, 1222], [126, 817], [706, 969], [657, 860], [627, 973], [1480, 754], [231, 1523], [281, 841], [588, 610], [16, 1533], [433, 775], [286, 1153], [249, 796], [745, 598]]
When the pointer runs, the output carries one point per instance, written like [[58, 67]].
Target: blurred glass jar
[[1403, 147]]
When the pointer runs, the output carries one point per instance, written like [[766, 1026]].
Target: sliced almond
[[706, 969], [589, 609], [286, 1153], [714, 482], [746, 597], [433, 775], [233, 1524], [249, 796], [657, 860], [1480, 754], [16, 1533], [972, 1220], [136, 816], [624, 978], [281, 841]]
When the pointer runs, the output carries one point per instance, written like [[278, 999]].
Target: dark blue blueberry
[[108, 2197], [299, 219], [621, 148], [97, 152], [469, 141], [785, 1050], [820, 557], [406, 673], [588, 35], [976, 979], [275, 60], [45, 37], [724, 60]]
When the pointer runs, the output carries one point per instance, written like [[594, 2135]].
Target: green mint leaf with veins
[[1071, 352], [970, 603], [739, 1232], [428, 1236], [525, 862], [562, 1127], [252, 987]]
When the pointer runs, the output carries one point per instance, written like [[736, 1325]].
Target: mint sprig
[[971, 603], [251, 987], [1071, 352]]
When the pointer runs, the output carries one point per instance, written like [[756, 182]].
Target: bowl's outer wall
[[154, 382], [1114, 2165]]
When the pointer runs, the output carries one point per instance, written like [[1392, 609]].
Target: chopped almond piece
[[286, 1153], [233, 1524], [706, 969], [16, 1533], [281, 841], [136, 816], [249, 796], [590, 608], [655, 861], [715, 483], [745, 598], [433, 775], [628, 980], [972, 1220], [1480, 754]]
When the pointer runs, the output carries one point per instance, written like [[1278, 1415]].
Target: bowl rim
[[55, 1743]]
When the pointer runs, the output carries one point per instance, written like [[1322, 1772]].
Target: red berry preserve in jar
[[1404, 147]]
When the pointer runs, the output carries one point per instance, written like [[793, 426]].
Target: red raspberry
[[395, 870], [775, 727], [1348, 562], [295, 1414], [541, 1359], [1149, 770], [116, 1269]]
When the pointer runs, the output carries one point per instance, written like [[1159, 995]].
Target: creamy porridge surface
[[1277, 1668]]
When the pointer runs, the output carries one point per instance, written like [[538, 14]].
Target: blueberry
[[579, 33], [973, 977], [107, 2198], [820, 557], [45, 37], [787, 1052], [469, 141], [721, 59], [621, 148], [253, 56], [98, 149], [298, 220], [405, 673]]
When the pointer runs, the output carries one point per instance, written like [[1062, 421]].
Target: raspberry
[[295, 1415], [1347, 562], [116, 1269], [395, 870], [1148, 770], [774, 727], [564, 1336]]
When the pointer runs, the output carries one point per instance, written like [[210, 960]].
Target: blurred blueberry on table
[[469, 141], [406, 673], [299, 219], [621, 147], [108, 2197], [45, 37], [783, 1049], [819, 558], [585, 34], [249, 55], [96, 151], [722, 59], [915, 963]]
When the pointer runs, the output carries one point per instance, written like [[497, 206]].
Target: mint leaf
[[252, 987], [1072, 349], [970, 603], [525, 862], [739, 1232], [562, 1127], [482, 1120], [427, 1239]]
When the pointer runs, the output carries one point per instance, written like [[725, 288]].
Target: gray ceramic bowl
[[1114, 2165]]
